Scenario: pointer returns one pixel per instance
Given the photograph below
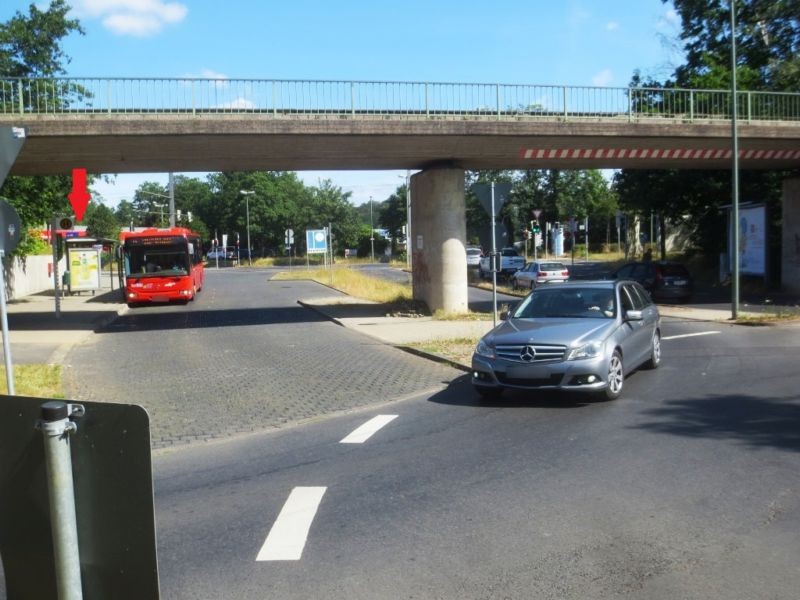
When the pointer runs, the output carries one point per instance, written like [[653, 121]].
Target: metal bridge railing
[[391, 100]]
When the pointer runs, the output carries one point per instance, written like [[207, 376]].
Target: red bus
[[159, 265]]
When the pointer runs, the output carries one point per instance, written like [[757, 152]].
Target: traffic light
[[535, 227], [526, 235]]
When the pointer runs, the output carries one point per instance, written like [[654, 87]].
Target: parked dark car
[[664, 280]]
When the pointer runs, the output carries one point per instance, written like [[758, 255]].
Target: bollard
[[56, 427]]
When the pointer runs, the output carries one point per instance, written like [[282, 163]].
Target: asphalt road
[[687, 487]]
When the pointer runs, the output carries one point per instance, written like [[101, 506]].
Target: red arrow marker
[[79, 196]]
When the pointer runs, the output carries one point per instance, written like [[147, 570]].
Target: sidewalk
[[38, 337]]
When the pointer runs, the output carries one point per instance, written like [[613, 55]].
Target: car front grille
[[541, 352]]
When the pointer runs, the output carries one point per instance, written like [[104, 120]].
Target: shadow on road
[[460, 392], [139, 319], [754, 421]]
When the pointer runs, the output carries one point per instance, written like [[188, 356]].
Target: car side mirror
[[633, 315]]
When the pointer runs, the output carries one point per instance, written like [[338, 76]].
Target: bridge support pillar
[[439, 233], [790, 259]]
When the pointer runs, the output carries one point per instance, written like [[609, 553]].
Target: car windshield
[[509, 252], [473, 251], [572, 303]]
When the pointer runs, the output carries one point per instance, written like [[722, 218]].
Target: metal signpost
[[91, 464], [492, 197], [10, 227], [289, 239]]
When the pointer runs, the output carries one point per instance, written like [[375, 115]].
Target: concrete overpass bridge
[[159, 125]]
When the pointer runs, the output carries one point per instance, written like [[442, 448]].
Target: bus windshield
[[156, 261]]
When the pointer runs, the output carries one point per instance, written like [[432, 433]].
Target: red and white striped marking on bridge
[[655, 153]]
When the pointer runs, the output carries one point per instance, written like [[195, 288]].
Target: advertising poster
[[84, 269], [752, 240]]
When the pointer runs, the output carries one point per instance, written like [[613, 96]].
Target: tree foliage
[[768, 45], [30, 46]]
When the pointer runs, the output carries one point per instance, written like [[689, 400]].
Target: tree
[[393, 215], [30, 46], [101, 222]]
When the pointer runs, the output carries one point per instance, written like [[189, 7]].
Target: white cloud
[[669, 20], [132, 17], [238, 104], [612, 26], [603, 78]]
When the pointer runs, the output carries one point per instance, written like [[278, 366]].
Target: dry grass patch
[[456, 349], [354, 283], [41, 381]]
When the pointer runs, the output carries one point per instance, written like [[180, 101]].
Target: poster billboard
[[84, 269], [752, 240]]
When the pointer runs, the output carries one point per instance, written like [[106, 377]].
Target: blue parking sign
[[316, 241]]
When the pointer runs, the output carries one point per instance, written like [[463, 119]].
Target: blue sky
[[549, 42]]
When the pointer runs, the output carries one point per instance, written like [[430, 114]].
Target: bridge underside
[[142, 143], [441, 149]]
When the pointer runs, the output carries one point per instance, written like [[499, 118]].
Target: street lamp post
[[371, 230], [735, 169], [247, 193]]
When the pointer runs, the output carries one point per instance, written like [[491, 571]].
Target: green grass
[[42, 381]]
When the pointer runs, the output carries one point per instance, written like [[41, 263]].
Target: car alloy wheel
[[655, 352], [616, 377]]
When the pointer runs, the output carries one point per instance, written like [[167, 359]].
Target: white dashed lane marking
[[288, 535], [685, 335], [368, 429]]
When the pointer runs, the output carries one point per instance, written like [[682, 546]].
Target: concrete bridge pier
[[439, 233], [790, 261]]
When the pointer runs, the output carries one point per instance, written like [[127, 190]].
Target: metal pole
[[408, 219], [735, 167], [171, 200], [247, 210], [54, 242], [56, 427], [6, 341], [371, 230], [494, 267], [586, 235]]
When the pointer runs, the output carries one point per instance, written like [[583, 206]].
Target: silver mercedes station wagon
[[577, 336]]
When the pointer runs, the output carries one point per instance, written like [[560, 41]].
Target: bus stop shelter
[[84, 263]]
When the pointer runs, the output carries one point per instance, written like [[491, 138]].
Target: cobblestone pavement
[[243, 357]]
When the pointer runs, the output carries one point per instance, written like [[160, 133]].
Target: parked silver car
[[537, 272], [579, 336], [474, 254]]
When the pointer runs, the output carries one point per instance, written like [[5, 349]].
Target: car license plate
[[528, 372], [680, 282]]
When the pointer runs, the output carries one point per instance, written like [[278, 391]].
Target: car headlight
[[484, 349], [589, 350]]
